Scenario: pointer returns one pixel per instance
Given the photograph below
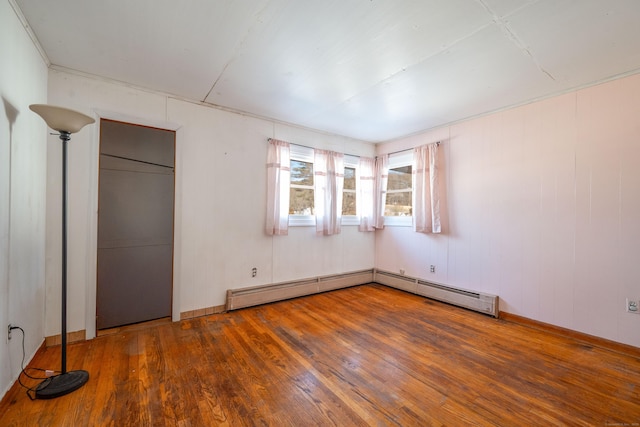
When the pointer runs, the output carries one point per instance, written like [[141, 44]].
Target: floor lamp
[[66, 122]]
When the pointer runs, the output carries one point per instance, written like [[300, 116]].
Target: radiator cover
[[480, 302], [247, 297]]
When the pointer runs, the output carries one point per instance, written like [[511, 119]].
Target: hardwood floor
[[367, 355]]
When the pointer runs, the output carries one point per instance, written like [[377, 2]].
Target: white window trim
[[306, 154], [396, 160], [303, 154], [352, 162]]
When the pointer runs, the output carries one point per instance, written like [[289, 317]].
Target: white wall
[[23, 81], [220, 201], [543, 210]]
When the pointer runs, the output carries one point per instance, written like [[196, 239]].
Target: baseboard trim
[[133, 327], [615, 346], [71, 338], [207, 311]]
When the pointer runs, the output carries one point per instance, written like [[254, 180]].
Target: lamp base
[[62, 384]]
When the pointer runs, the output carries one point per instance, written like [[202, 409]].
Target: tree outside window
[[301, 201], [349, 192], [301, 193], [399, 192]]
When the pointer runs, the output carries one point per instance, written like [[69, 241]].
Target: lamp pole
[[66, 122], [64, 137]]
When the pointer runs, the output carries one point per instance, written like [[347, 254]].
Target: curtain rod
[[407, 149], [354, 155], [313, 148]]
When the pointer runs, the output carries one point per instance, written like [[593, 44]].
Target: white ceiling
[[369, 69]]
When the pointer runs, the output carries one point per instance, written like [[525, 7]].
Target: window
[[301, 193], [349, 192], [399, 193], [350, 214], [398, 208], [301, 202]]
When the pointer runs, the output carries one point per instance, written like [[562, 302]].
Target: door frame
[[91, 293]]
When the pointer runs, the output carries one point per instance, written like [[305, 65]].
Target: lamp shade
[[61, 119]]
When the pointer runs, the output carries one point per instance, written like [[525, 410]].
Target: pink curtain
[[380, 195], [328, 180], [425, 190], [365, 198], [278, 180]]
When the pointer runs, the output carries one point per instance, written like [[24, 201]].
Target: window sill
[[398, 221], [350, 220], [302, 221], [310, 220]]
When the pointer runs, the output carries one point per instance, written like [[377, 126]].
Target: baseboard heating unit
[[263, 294], [481, 302], [247, 297]]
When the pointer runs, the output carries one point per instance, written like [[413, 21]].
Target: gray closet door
[[135, 224]]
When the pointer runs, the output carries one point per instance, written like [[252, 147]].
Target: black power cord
[[25, 371]]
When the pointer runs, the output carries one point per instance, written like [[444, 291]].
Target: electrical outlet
[[254, 272], [632, 306], [432, 268]]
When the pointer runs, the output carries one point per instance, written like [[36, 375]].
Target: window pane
[[349, 178], [399, 178], [301, 202], [301, 172], [348, 203], [398, 204]]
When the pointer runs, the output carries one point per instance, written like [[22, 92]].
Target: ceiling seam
[[511, 35], [29, 30], [444, 49], [169, 96], [217, 80], [519, 8], [574, 89], [495, 20], [237, 50]]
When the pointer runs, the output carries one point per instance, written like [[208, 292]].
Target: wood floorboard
[[367, 355]]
